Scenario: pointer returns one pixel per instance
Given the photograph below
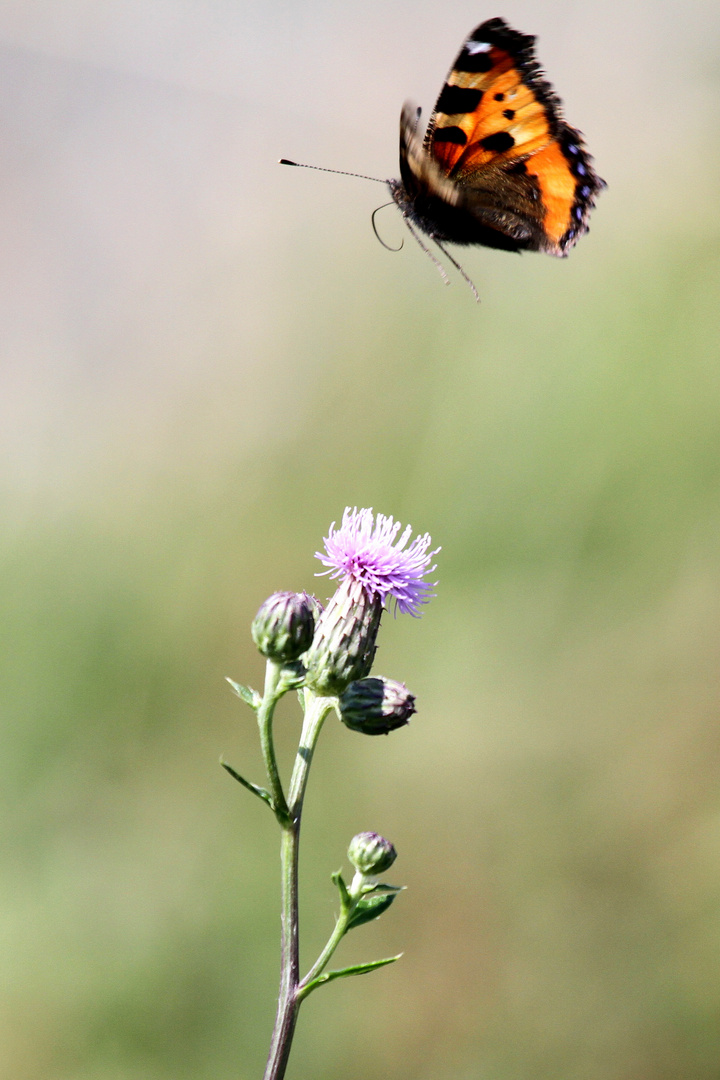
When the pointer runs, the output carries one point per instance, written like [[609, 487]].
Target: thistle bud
[[376, 706], [283, 627], [343, 648], [371, 853]]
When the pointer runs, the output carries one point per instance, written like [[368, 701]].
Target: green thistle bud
[[283, 627], [343, 648], [371, 853], [376, 706]]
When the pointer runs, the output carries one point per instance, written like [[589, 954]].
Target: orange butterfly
[[498, 165]]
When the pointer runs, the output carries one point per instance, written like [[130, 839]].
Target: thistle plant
[[326, 656]]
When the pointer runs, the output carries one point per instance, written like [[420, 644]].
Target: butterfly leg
[[458, 267], [439, 266]]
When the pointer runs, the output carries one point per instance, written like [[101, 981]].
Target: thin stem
[[288, 1005], [265, 720], [316, 709], [323, 959]]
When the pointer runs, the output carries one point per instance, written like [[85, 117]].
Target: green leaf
[[369, 908], [246, 693], [338, 880], [259, 791], [343, 973]]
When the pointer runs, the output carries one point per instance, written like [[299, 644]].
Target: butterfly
[[498, 165]]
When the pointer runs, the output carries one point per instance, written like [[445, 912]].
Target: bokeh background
[[205, 358]]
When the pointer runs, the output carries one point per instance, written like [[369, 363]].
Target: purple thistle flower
[[365, 550]]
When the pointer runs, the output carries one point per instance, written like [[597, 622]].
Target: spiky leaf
[[344, 973], [246, 693], [259, 791]]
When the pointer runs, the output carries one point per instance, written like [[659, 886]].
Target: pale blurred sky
[[151, 245]]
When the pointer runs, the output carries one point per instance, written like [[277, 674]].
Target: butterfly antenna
[[377, 234], [339, 172], [458, 267], [438, 265]]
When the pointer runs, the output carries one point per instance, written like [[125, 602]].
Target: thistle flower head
[[367, 550]]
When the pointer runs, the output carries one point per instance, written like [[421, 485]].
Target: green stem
[[265, 720], [316, 709], [288, 1004], [324, 957]]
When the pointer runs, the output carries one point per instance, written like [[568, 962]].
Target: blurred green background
[[205, 358]]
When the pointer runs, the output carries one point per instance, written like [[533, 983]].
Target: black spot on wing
[[450, 135], [495, 34], [498, 141], [476, 56], [499, 97], [473, 62], [509, 114], [458, 99]]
